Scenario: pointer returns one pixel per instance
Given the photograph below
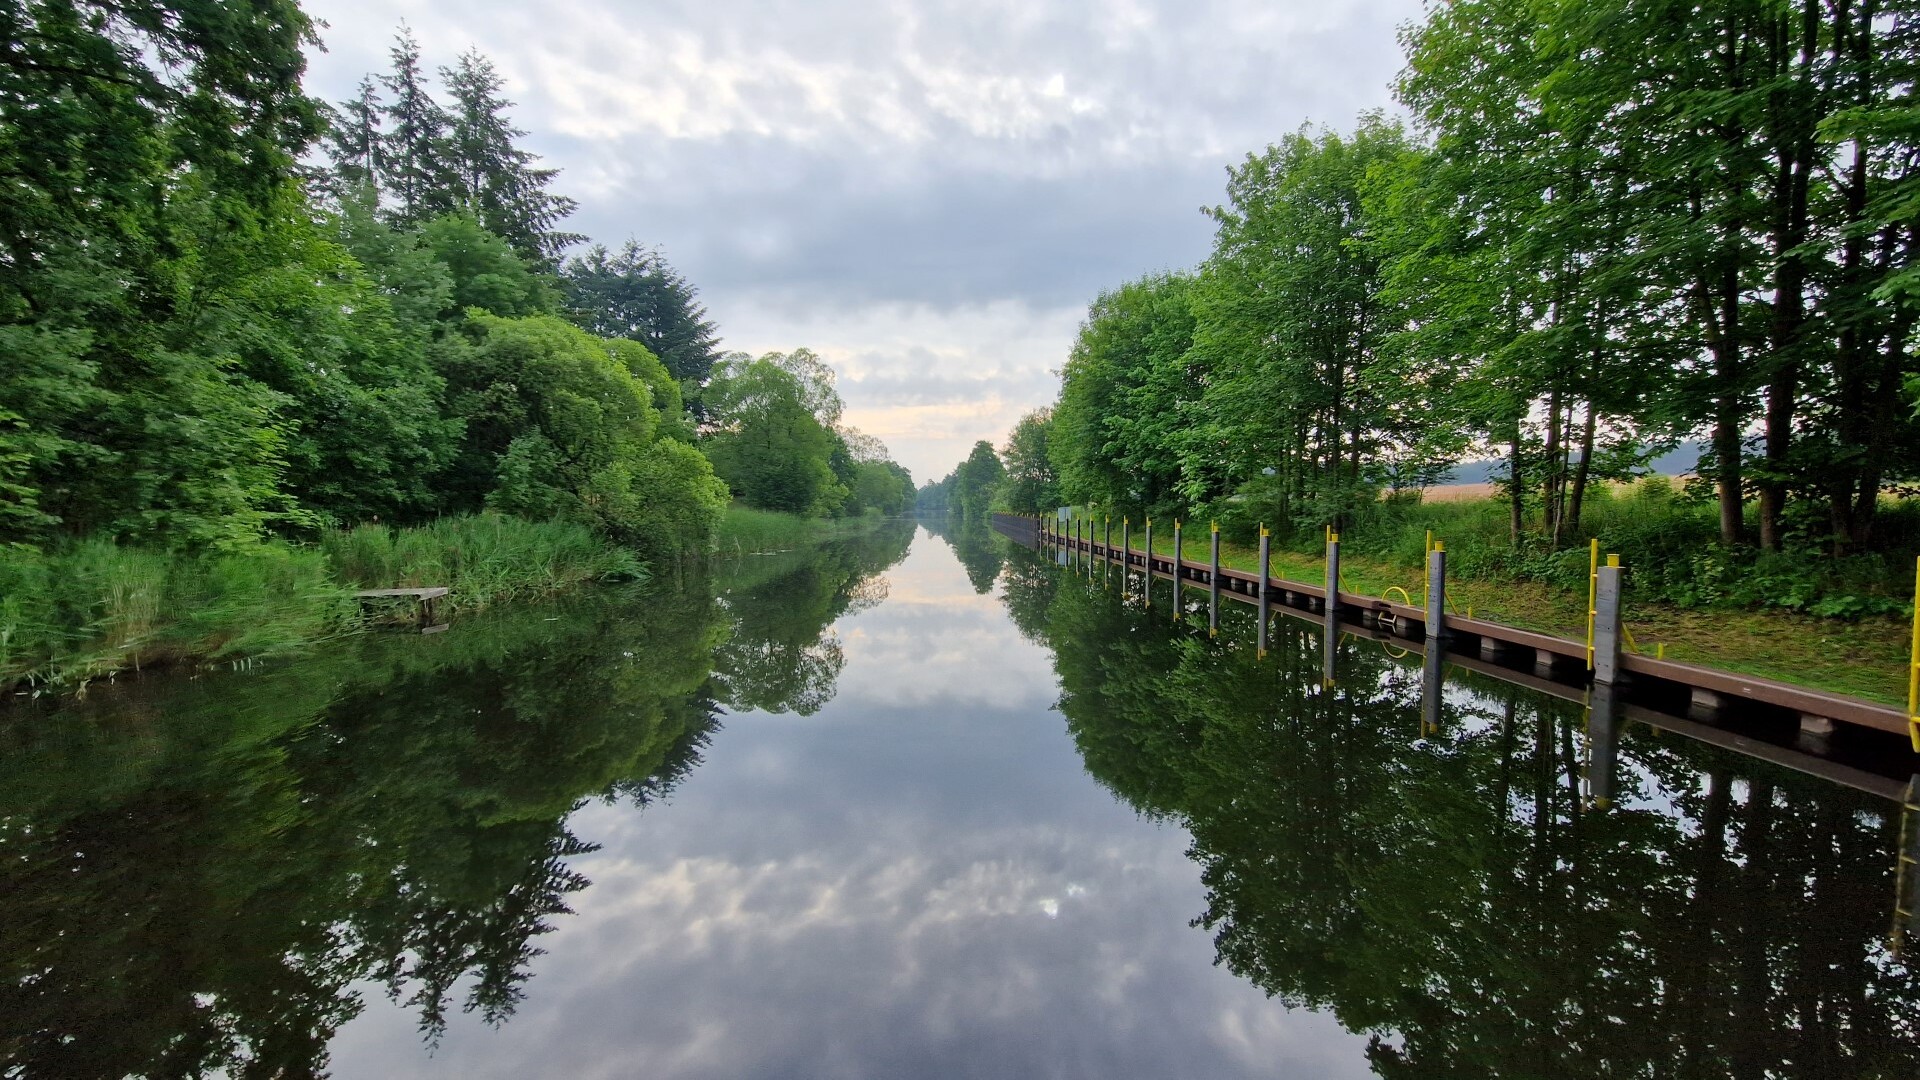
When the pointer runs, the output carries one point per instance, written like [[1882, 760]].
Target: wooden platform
[[423, 597], [1470, 635], [418, 594]]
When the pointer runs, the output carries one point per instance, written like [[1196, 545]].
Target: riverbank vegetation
[[256, 338], [74, 613], [1611, 229]]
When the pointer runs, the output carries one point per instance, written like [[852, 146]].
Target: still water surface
[[914, 805]]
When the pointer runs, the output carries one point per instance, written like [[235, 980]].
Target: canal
[[916, 803]]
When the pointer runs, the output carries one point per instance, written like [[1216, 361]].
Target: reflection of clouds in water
[[920, 881], [951, 954], [954, 642]]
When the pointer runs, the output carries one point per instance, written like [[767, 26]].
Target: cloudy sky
[[927, 194]]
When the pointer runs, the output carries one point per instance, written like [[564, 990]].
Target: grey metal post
[[1430, 684], [1213, 583], [1266, 615], [1437, 592], [1266, 563], [1333, 572], [1176, 559], [1606, 623], [1330, 647], [1603, 740], [1126, 543], [1106, 537]]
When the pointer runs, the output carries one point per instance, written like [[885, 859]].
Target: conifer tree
[[353, 142], [494, 176], [636, 294], [415, 142]]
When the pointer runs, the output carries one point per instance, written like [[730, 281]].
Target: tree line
[[1613, 227], [233, 312]]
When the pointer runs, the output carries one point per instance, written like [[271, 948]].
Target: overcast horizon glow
[[928, 195]]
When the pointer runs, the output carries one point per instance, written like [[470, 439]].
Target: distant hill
[[1682, 459]]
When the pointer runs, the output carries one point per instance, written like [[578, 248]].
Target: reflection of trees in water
[[980, 550], [781, 654], [196, 872], [1456, 897]]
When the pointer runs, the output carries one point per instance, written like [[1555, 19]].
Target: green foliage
[[559, 426], [1125, 395], [199, 361], [977, 481], [1030, 486], [771, 433], [1286, 323], [485, 270], [492, 174], [746, 531], [482, 558], [882, 487], [666, 502], [645, 366]]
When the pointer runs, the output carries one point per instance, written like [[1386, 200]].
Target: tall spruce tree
[[494, 176], [415, 141], [353, 143]]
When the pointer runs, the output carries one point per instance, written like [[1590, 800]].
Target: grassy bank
[[1797, 616], [91, 608], [746, 531]]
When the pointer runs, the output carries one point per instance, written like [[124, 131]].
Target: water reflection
[[197, 873], [1435, 877], [532, 842], [981, 550]]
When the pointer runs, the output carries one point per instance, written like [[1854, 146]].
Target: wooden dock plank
[[1753, 688]]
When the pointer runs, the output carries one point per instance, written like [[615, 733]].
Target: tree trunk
[[1517, 491], [1582, 471], [1551, 483], [1793, 167]]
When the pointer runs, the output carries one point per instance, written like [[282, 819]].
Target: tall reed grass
[[92, 607], [483, 558]]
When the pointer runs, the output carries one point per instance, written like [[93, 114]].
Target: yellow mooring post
[[1593, 586], [1913, 666]]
